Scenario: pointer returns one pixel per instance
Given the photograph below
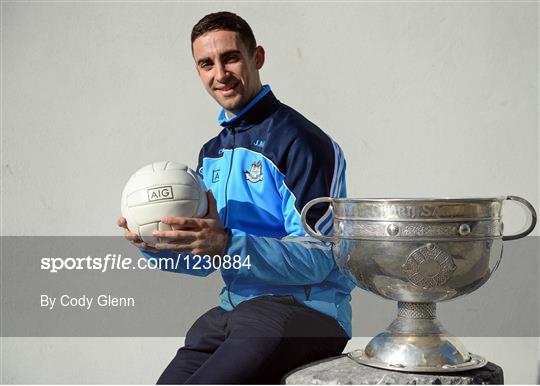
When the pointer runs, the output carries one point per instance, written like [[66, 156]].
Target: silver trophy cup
[[418, 252]]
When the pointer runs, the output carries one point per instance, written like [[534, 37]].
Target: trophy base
[[416, 342], [475, 362]]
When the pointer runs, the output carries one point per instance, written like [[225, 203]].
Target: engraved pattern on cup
[[417, 310], [369, 229], [429, 266], [380, 229], [429, 230]]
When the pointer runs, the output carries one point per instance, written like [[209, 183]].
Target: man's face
[[228, 71]]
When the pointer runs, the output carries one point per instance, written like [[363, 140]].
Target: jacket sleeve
[[312, 169], [289, 261]]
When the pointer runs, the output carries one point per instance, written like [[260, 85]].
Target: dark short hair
[[226, 21]]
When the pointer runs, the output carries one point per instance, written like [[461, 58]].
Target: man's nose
[[221, 73]]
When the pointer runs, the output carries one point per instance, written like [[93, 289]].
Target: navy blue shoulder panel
[[306, 156]]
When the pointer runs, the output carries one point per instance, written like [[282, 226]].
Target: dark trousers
[[258, 342]]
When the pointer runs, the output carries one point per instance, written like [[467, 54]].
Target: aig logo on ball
[[160, 193]]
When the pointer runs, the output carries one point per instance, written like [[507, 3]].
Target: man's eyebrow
[[229, 52], [223, 54]]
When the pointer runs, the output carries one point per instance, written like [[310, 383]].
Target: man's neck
[[231, 114]]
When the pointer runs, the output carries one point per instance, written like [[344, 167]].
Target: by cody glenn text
[[85, 302]]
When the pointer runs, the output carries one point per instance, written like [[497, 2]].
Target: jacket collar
[[256, 110]]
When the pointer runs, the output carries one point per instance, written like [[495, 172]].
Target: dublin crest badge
[[255, 173]]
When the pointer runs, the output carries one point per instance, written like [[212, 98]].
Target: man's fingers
[[122, 223], [140, 244], [188, 248], [186, 236], [183, 222], [145, 246], [131, 236]]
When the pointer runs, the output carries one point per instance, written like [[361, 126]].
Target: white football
[[158, 190]]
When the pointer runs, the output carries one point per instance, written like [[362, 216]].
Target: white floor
[[141, 360]]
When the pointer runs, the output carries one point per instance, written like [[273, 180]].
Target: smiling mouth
[[228, 90]]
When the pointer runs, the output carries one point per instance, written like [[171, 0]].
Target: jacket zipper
[[226, 208]]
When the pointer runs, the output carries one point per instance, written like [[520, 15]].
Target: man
[[289, 305]]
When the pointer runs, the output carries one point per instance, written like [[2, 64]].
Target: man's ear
[[259, 57]]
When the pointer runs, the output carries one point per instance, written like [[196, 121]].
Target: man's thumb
[[212, 205]]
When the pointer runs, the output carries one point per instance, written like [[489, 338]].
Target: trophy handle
[[306, 226], [528, 205]]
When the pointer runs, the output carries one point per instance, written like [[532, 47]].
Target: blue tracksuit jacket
[[263, 167]]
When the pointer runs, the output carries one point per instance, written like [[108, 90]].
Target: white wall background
[[426, 99]]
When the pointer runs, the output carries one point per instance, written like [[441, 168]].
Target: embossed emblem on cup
[[429, 266]]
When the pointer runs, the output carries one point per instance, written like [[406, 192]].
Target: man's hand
[[133, 237], [198, 236]]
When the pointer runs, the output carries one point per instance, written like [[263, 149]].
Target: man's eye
[[232, 58], [205, 65]]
